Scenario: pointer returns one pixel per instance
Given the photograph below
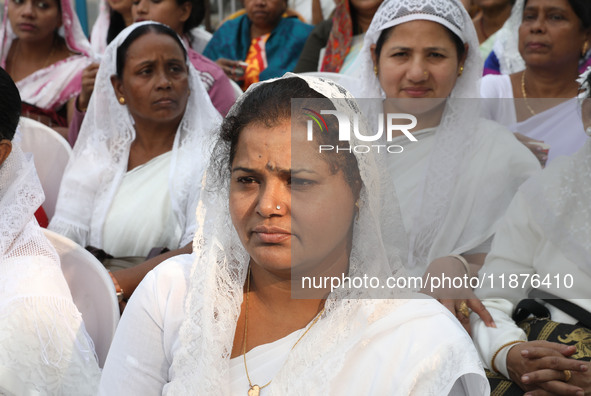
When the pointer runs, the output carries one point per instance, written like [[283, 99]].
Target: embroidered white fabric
[[101, 153], [219, 271], [44, 87], [455, 134], [559, 196], [506, 46], [42, 336]]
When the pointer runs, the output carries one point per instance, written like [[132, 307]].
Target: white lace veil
[[220, 267], [100, 157], [20, 196], [559, 196], [42, 337], [506, 46], [100, 29], [455, 134]]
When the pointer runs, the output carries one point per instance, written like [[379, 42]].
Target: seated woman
[[461, 174], [224, 320], [183, 16], [334, 43], [552, 41], [260, 44], [46, 66], [544, 236], [130, 185], [44, 348]]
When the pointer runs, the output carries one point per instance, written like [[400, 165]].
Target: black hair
[[116, 25], [139, 32], [197, 14], [268, 105], [582, 8], [10, 106], [459, 44]]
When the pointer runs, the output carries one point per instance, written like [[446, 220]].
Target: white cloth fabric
[[304, 8], [42, 337], [197, 356], [497, 166], [100, 29], [100, 157], [506, 46], [51, 87], [560, 127], [127, 230], [522, 247], [379, 363], [442, 191]]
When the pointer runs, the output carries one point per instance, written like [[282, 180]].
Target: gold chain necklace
[[255, 389], [525, 95]]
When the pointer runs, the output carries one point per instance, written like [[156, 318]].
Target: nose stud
[[278, 207]]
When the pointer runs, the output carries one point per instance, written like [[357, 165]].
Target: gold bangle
[[118, 289], [463, 261], [492, 362]]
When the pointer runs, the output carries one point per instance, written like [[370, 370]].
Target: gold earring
[[585, 48], [461, 71], [375, 70], [122, 100]]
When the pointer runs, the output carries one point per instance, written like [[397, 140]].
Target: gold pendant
[[254, 390]]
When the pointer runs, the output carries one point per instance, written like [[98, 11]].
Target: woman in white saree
[[44, 348], [461, 174], [261, 202]]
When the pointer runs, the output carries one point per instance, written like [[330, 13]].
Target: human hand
[[537, 147], [458, 300], [88, 79], [234, 69], [539, 368]]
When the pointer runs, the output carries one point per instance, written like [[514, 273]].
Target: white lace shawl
[[100, 157], [42, 338], [506, 46], [560, 197], [216, 283], [455, 133], [51, 87]]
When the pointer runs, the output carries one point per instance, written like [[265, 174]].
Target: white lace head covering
[[42, 336], [506, 46], [20, 196], [71, 31], [220, 267], [455, 132], [559, 198], [100, 156]]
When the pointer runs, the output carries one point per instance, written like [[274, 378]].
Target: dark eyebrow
[[273, 169]]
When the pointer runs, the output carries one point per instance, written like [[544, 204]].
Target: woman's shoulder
[[293, 22], [169, 278], [496, 86]]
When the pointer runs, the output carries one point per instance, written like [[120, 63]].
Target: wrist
[[118, 289], [81, 106]]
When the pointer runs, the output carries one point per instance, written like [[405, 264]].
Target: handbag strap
[[571, 309]]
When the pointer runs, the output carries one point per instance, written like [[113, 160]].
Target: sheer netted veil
[[454, 134], [20, 196], [41, 331], [559, 196], [101, 153], [506, 46], [220, 267]]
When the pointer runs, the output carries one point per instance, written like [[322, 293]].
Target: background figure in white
[[44, 348]]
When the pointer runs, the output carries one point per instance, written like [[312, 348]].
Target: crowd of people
[[213, 174]]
